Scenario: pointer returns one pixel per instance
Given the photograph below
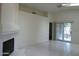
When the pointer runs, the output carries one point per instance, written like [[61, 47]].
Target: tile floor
[[49, 48]]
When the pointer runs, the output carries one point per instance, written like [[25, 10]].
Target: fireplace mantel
[[7, 35]]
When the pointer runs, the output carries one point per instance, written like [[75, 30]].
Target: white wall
[[9, 15], [50, 17], [71, 16], [33, 29]]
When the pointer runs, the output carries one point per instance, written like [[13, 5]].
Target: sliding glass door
[[63, 31]]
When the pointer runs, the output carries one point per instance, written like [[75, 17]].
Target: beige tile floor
[[49, 48]]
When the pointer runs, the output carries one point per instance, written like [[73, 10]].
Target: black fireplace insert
[[8, 47]]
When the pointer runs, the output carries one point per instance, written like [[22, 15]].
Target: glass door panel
[[67, 31], [59, 31]]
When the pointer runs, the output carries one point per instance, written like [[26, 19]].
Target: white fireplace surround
[[4, 36]]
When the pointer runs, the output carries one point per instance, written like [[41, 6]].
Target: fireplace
[[8, 47]]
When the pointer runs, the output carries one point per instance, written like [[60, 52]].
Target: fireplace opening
[[8, 47]]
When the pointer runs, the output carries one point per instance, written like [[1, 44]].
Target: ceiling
[[49, 7]]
